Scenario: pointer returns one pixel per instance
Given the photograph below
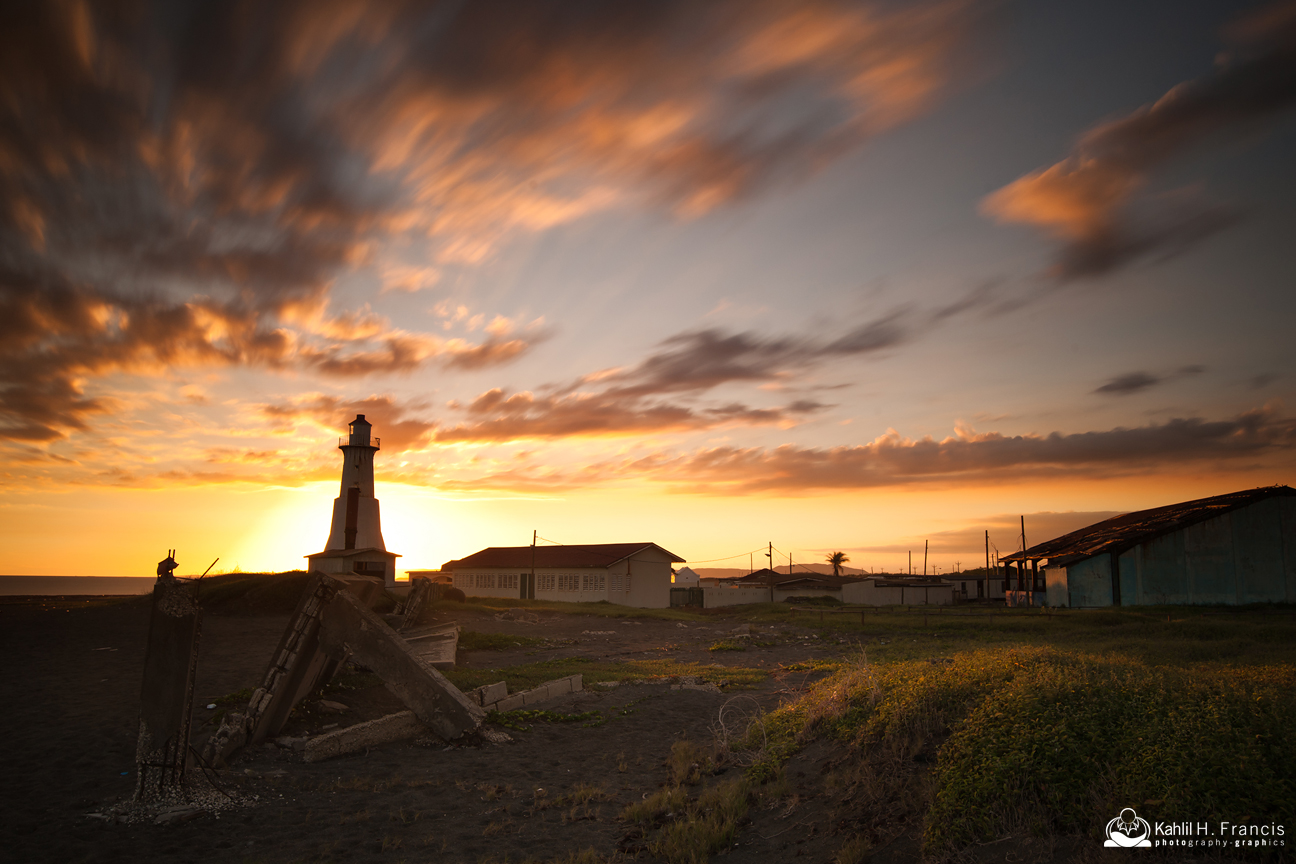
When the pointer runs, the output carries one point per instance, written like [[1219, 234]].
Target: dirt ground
[[71, 709]]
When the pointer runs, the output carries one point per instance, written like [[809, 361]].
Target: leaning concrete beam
[[347, 627], [384, 730]]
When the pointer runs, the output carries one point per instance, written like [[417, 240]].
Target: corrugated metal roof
[[545, 557], [1122, 532]]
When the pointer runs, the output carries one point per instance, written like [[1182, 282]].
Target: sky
[[849, 276]]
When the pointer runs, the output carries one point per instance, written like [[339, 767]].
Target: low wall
[[869, 593], [714, 598]]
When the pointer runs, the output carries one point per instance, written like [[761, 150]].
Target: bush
[[1062, 741]]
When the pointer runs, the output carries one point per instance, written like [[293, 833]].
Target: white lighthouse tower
[[355, 542]]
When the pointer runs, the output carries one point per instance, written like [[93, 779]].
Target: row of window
[[544, 581]]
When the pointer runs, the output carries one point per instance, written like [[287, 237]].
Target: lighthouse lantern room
[[355, 541]]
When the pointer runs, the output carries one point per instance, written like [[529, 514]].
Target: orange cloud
[[1084, 199]]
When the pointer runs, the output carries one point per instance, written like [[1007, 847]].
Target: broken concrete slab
[[348, 628], [534, 696], [489, 694], [384, 730]]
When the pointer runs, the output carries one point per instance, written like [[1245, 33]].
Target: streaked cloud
[[1136, 382], [966, 457], [659, 393], [1088, 201], [183, 185]]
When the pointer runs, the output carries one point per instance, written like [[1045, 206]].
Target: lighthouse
[[355, 542]]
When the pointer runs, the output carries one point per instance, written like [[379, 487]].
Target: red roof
[[524, 557]]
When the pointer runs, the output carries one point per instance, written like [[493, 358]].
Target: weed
[[493, 791], [518, 719], [709, 825], [853, 851], [583, 793], [728, 645], [406, 817], [390, 843], [688, 762], [661, 805], [470, 640], [528, 675], [356, 818], [497, 827]]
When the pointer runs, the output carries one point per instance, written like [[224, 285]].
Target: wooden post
[[162, 748]]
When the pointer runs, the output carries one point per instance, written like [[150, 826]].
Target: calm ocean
[[10, 585]]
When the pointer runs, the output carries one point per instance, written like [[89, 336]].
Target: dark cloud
[[1132, 382], [1136, 382], [1085, 200], [966, 458], [651, 395], [179, 180], [892, 461], [703, 359]]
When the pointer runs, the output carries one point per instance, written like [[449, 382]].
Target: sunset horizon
[[826, 276]]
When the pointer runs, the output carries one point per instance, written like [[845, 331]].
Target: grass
[[1056, 742], [526, 676], [471, 640], [519, 719], [728, 645], [707, 825], [1175, 636], [601, 609]]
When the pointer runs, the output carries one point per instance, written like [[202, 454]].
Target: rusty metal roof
[[590, 555], [1122, 532]]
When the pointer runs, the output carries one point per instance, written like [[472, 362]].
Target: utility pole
[[924, 559], [910, 562], [530, 592], [770, 555]]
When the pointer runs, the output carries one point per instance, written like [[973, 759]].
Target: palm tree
[[837, 559]]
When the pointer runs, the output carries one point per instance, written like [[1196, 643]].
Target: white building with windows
[[629, 574]]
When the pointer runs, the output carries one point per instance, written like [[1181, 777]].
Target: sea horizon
[[18, 584]]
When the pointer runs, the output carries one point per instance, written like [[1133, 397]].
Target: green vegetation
[[1176, 636], [526, 676], [518, 719], [601, 609], [1057, 741], [728, 645], [470, 640]]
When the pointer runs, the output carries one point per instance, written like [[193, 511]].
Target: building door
[[526, 586]]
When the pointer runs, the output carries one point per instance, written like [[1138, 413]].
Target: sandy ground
[[72, 705], [71, 708]]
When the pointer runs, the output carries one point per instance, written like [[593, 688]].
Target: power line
[[730, 557]]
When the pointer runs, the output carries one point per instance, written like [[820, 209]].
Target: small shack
[[1228, 549]]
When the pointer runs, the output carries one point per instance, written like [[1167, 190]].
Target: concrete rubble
[[334, 623]]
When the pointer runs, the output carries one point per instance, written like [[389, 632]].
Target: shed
[[1228, 549]]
